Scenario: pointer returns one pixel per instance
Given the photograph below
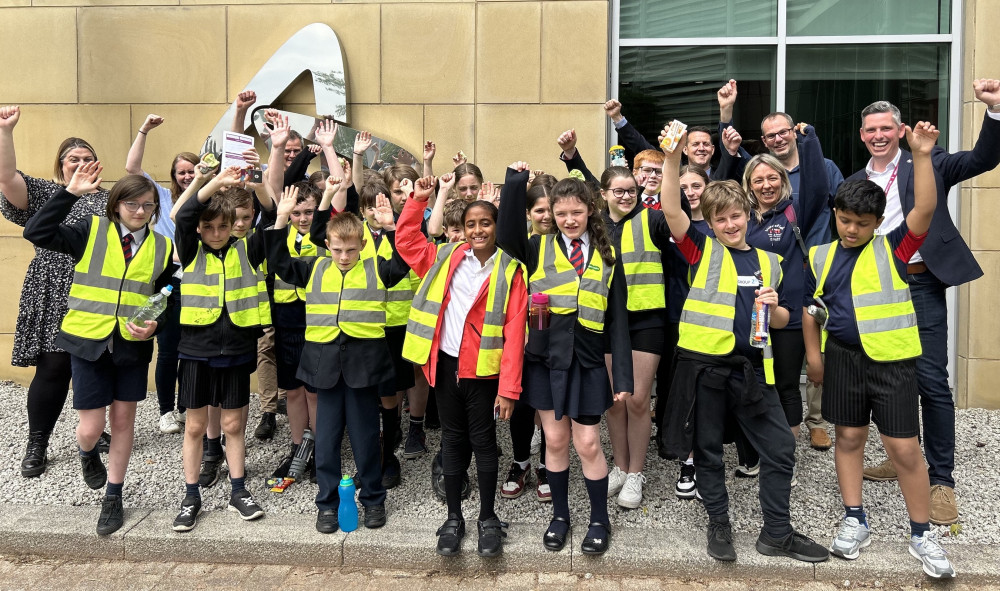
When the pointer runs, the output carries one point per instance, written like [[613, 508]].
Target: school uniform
[[344, 357], [108, 288], [719, 372], [218, 346], [288, 314]]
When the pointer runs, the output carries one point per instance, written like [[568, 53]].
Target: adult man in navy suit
[[944, 260]]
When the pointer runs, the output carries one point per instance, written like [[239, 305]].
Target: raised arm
[[922, 138], [411, 243], [435, 224], [11, 184], [133, 162], [430, 149], [274, 179], [244, 101], [512, 231], [571, 156], [814, 184], [362, 142], [326, 133], [295, 271], [727, 100], [670, 195], [46, 229], [202, 174]]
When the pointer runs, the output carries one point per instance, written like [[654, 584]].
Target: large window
[[822, 61]]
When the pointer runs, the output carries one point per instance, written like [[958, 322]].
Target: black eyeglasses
[[782, 133], [621, 192]]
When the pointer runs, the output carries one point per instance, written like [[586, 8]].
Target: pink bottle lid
[[540, 298]]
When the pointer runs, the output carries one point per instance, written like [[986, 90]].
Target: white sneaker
[[795, 476], [631, 494], [929, 552], [168, 424], [536, 441], [180, 416], [616, 480], [852, 537]]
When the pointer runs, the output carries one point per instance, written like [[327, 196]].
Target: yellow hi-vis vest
[[352, 302], [286, 293], [642, 265], [105, 291], [427, 303], [706, 324], [399, 296], [210, 283], [883, 310], [568, 293]]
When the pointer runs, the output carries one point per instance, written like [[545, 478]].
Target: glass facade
[[868, 17]]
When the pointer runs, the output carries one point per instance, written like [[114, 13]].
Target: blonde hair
[[722, 195], [774, 164], [346, 226]]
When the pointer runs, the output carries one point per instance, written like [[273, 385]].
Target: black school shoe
[[104, 443], [326, 521], [794, 545], [598, 544], [210, 469], [553, 540], [242, 502], [190, 508], [112, 515], [391, 473], [374, 516], [491, 535], [265, 429], [94, 472], [35, 459], [450, 535]]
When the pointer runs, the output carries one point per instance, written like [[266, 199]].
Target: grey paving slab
[[413, 548], [666, 553], [221, 536], [64, 532]]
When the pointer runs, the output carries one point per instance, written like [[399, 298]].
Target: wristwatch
[[994, 108]]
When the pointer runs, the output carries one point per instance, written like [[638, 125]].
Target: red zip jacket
[[420, 255]]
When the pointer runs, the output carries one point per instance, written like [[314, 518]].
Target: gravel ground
[[155, 480]]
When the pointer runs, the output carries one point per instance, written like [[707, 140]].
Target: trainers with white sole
[[616, 480], [687, 486], [169, 424], [852, 537], [630, 496], [927, 549]]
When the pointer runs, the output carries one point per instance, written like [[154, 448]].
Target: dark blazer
[[362, 363], [566, 337], [944, 250]]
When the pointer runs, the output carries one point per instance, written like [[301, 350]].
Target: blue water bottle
[[347, 514]]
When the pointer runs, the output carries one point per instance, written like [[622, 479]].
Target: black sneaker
[[190, 508], [104, 443], [94, 472], [491, 535], [209, 474], [391, 473], [326, 521], [450, 535], [794, 545], [112, 515], [416, 443], [720, 541], [282, 406], [242, 502], [265, 429], [374, 516]]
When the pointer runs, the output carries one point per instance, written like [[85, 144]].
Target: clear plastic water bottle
[[302, 454], [538, 311], [347, 513], [760, 319], [153, 307]]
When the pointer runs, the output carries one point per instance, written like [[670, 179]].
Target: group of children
[[563, 319]]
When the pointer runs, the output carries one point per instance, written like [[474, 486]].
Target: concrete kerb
[[68, 532]]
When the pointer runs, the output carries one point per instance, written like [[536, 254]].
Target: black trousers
[[789, 353], [718, 395], [664, 377], [466, 411], [522, 428]]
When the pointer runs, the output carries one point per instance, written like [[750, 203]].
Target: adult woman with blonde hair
[[44, 297]]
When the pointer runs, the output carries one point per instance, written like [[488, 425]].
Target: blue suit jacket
[[945, 252]]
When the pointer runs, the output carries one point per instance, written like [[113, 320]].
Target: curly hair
[[570, 188]]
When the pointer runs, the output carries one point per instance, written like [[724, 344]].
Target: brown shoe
[[819, 438], [944, 510], [881, 473]]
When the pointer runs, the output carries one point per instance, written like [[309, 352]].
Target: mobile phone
[[496, 412], [255, 175]]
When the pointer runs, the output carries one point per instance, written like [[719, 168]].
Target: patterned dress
[[50, 274]]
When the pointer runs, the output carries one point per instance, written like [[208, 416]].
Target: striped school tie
[[576, 255], [127, 247]]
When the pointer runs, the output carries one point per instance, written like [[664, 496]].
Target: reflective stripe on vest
[[211, 283], [286, 293], [427, 308], [105, 290], [642, 265], [423, 316], [353, 302], [883, 311], [400, 295], [568, 293], [706, 324]]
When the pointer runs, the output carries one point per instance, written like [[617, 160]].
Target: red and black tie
[[576, 255], [127, 247]]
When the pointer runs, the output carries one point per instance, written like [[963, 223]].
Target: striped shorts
[[857, 390]]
